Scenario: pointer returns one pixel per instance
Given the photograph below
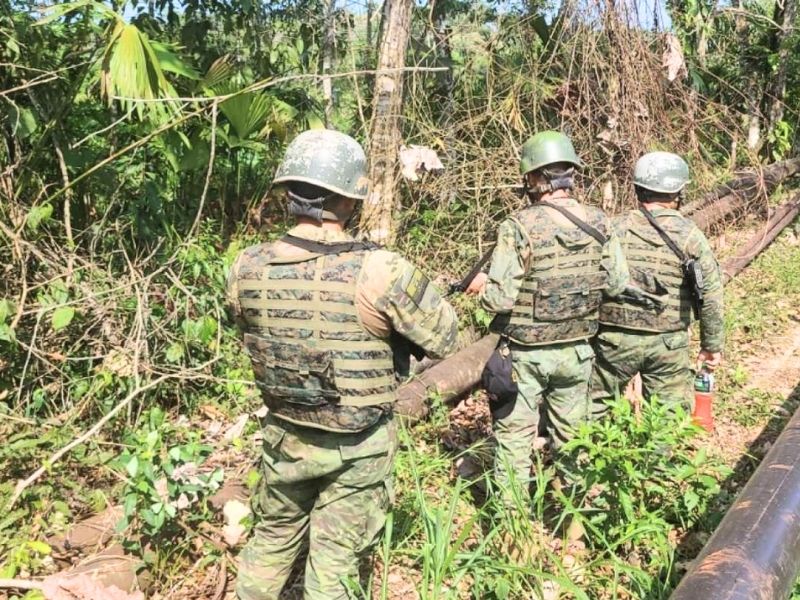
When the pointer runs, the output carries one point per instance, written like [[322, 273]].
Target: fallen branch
[[750, 181], [447, 379], [56, 456], [730, 198], [780, 218], [20, 584]]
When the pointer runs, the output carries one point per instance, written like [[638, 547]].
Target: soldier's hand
[[477, 285], [711, 360]]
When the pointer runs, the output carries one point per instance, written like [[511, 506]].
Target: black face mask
[[310, 207]]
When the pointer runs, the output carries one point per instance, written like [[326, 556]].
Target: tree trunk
[[785, 16], [327, 58], [384, 134], [370, 12], [752, 88]]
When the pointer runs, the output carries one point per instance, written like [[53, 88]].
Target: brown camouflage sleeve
[[712, 316], [506, 269], [412, 304], [232, 305]]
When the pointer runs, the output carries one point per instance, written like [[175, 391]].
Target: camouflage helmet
[[661, 172], [328, 159], [546, 148]]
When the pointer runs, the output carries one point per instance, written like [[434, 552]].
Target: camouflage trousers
[[331, 489], [553, 382], [662, 359]]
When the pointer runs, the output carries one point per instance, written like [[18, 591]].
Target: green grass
[[644, 482], [764, 297]]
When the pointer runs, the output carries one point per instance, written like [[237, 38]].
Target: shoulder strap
[[580, 223], [667, 240], [321, 248]]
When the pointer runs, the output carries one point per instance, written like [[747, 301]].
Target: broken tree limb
[[22, 484], [729, 199], [749, 182], [780, 218], [447, 379], [20, 584]]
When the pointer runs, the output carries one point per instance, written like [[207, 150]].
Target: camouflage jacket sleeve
[[616, 266], [506, 269], [414, 306], [232, 304], [712, 325]]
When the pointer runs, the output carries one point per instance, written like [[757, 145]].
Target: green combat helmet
[[327, 159], [546, 148], [661, 172]]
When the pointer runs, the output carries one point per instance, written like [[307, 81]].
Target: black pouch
[[498, 375], [693, 276]]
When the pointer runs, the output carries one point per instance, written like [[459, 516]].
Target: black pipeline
[[755, 551]]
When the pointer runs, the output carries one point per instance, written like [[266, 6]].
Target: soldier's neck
[[652, 205], [327, 225], [556, 195]]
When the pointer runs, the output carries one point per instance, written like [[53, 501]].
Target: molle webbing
[[650, 262], [313, 360], [561, 293]]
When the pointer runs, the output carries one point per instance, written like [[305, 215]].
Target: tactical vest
[[314, 362], [651, 262], [560, 296]]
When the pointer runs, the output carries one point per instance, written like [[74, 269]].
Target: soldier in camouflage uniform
[[656, 344], [318, 310], [546, 279]]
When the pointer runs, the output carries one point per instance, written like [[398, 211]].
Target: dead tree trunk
[[777, 222], [752, 89], [327, 58], [785, 16], [384, 133], [734, 195]]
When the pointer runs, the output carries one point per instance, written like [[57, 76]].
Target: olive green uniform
[[546, 279], [635, 339], [316, 327]]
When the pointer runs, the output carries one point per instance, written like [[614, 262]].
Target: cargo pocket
[[609, 339], [678, 339], [369, 461], [297, 373]]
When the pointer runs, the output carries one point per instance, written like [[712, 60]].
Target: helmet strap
[[560, 181]]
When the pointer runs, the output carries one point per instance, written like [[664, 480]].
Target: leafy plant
[[165, 491], [26, 557], [638, 478]]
